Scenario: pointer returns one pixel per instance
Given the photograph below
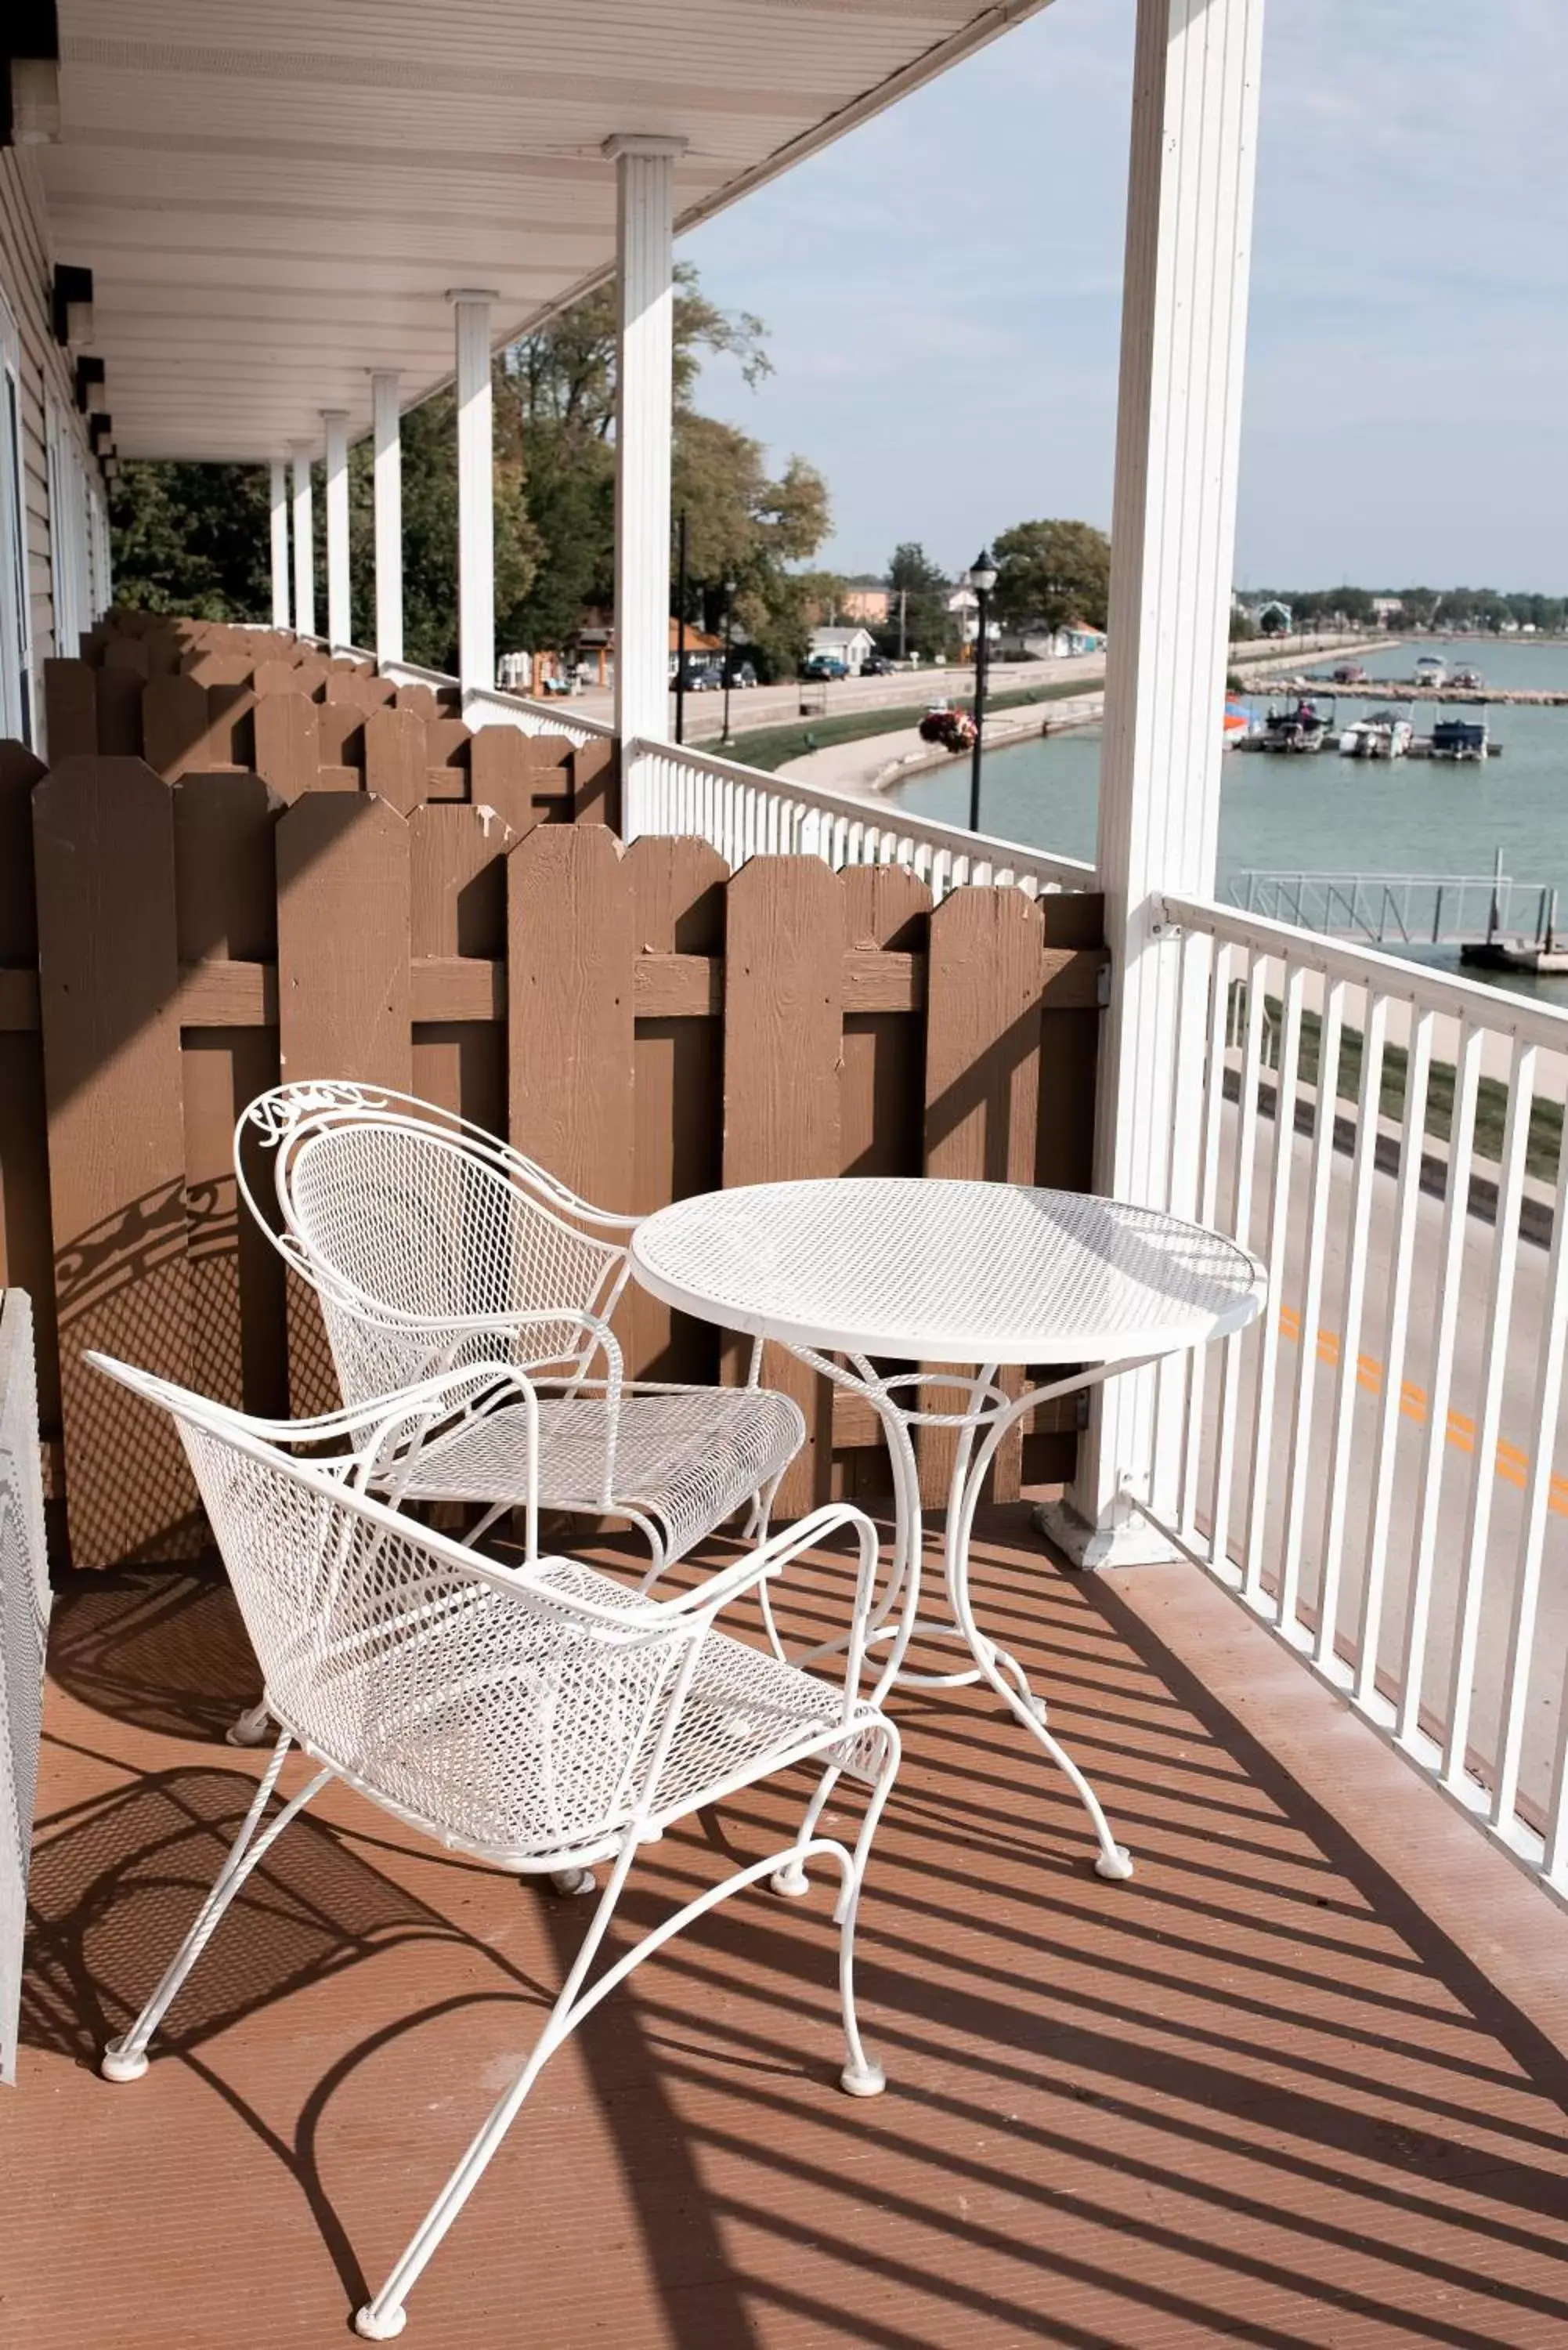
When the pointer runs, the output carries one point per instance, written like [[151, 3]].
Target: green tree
[[918, 621], [1048, 573], [191, 540]]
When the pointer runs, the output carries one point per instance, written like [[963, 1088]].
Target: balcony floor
[[1302, 2082]]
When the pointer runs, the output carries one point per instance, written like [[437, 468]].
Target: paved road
[[1506, 1474], [766, 706]]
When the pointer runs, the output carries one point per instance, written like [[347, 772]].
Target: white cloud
[[943, 292]]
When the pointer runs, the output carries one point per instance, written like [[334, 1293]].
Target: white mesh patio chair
[[542, 1719], [429, 1245]]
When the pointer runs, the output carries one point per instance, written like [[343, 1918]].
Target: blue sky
[[942, 291]]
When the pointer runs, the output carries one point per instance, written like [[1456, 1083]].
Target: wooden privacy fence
[[641, 1021], [307, 723]]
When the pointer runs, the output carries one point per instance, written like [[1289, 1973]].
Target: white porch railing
[[746, 813], [485, 706], [1372, 1469]]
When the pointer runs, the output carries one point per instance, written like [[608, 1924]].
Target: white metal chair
[[429, 1245], [540, 1719]]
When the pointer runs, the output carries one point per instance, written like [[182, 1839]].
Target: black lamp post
[[729, 639], [680, 631], [981, 576]]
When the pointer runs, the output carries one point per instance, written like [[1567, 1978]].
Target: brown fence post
[[982, 1080], [104, 842], [571, 952], [677, 895], [26, 1251], [343, 1005], [784, 981]]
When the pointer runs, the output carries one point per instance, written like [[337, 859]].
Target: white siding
[[26, 270]]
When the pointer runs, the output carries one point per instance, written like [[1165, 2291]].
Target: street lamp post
[[729, 641], [981, 578], [681, 633]]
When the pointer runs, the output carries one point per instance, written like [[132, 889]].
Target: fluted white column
[[1184, 327], [340, 615], [277, 491], [645, 231], [304, 544], [389, 448], [476, 495]]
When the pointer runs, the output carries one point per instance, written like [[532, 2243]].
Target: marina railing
[[744, 811], [1402, 909], [1373, 1468]]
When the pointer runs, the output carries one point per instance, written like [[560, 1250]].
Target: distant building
[[1272, 618], [853, 646], [870, 605], [1385, 609]]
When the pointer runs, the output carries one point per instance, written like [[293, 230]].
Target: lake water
[[1328, 814]]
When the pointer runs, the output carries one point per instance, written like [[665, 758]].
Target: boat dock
[[1497, 922], [1404, 689]]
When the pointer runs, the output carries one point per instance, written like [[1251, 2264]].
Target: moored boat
[[1299, 728], [1460, 738], [1380, 734]]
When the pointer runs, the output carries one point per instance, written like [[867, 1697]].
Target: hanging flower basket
[[953, 729]]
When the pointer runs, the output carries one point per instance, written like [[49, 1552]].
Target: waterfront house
[[1301, 2079], [853, 645]]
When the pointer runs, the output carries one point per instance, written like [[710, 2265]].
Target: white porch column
[[645, 231], [388, 448], [1184, 324], [304, 544], [340, 614], [278, 501], [475, 497]]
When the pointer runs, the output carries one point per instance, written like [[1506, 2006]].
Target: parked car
[[879, 665], [824, 665], [742, 674]]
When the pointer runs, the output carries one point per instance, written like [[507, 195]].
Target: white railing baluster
[[1538, 1498], [1483, 1466], [1241, 1225], [1446, 1276], [1221, 964], [1348, 1380], [1297, 1476], [1412, 1151], [1287, 1067]]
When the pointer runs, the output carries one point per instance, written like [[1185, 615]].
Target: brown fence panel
[[71, 709], [287, 749], [678, 899], [397, 760], [783, 964], [104, 843], [342, 1002], [570, 969], [982, 1080], [226, 896], [27, 1249], [458, 940]]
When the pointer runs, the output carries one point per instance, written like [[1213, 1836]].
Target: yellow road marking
[[1511, 1465]]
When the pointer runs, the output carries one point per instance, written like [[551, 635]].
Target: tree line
[[1414, 608], [193, 539]]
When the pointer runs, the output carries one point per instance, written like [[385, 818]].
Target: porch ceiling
[[275, 197]]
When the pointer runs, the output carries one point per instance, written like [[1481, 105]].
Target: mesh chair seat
[[685, 1456], [743, 1709]]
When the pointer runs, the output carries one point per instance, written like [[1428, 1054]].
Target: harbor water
[[1325, 814]]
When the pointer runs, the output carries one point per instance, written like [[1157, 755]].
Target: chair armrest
[[732, 1583]]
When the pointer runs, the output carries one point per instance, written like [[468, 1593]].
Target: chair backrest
[[520, 1715], [411, 1224]]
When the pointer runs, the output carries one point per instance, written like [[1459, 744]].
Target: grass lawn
[[1541, 1151], [772, 747]]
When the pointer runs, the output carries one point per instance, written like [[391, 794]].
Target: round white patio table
[[865, 1278]]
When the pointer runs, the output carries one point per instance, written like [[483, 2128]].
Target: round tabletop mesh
[[946, 1271]]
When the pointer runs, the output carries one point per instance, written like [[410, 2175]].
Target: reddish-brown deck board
[[1300, 2082]]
